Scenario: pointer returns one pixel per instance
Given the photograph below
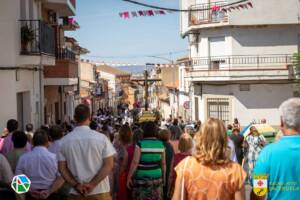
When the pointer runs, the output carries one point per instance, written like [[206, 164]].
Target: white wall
[[263, 12], [86, 71], [9, 88], [252, 41], [262, 101], [10, 37], [203, 45], [268, 40], [111, 80], [9, 57], [267, 12]]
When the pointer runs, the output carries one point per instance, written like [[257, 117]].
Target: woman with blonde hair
[[253, 144], [209, 173]]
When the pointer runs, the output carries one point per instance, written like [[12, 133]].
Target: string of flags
[[216, 8], [238, 7], [142, 13]]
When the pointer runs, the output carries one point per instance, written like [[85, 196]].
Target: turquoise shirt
[[280, 161]]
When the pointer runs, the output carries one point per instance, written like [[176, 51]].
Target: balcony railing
[[65, 54], [37, 37], [207, 13], [243, 62]]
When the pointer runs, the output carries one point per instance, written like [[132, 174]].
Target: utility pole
[[146, 89]]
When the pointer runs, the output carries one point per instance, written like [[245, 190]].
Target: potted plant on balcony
[[27, 36]]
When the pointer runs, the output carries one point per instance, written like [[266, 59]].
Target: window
[[218, 108], [244, 87], [217, 49]]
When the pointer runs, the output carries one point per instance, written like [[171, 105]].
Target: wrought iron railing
[[37, 37], [207, 13], [65, 54], [243, 62]]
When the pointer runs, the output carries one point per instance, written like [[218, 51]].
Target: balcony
[[242, 67], [65, 72], [63, 7], [207, 14], [37, 38], [65, 54]]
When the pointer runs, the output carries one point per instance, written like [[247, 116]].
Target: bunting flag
[[142, 13], [150, 13], [229, 9]]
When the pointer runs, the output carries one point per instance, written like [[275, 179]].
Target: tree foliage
[[296, 63]]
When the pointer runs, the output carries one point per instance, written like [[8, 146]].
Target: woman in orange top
[[209, 174]]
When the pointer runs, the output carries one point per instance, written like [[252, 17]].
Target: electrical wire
[[139, 56], [180, 10]]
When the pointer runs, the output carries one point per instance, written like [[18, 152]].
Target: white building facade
[[241, 60], [22, 59]]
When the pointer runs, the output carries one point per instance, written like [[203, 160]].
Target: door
[[23, 109], [20, 110], [218, 108], [56, 109]]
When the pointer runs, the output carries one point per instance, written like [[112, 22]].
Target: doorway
[[23, 109]]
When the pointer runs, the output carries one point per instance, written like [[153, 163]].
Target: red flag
[[126, 15], [150, 13], [215, 8]]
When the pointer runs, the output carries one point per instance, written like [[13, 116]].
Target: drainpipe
[[41, 115]]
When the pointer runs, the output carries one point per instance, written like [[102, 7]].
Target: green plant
[[27, 34], [296, 64]]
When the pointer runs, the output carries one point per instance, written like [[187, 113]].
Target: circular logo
[[20, 184]]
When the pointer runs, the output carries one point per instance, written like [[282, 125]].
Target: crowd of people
[[100, 157]]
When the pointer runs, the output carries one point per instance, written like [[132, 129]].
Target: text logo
[[20, 184], [260, 185]]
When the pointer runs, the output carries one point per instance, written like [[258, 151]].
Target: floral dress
[[252, 147]]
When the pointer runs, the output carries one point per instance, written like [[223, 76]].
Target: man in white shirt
[[86, 159]]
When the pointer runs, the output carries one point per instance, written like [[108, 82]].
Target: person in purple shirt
[[56, 133], [12, 125], [41, 167]]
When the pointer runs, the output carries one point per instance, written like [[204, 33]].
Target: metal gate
[[218, 108]]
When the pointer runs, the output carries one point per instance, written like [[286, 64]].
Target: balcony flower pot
[[27, 36]]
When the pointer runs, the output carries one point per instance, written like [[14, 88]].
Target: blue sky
[[111, 38]]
